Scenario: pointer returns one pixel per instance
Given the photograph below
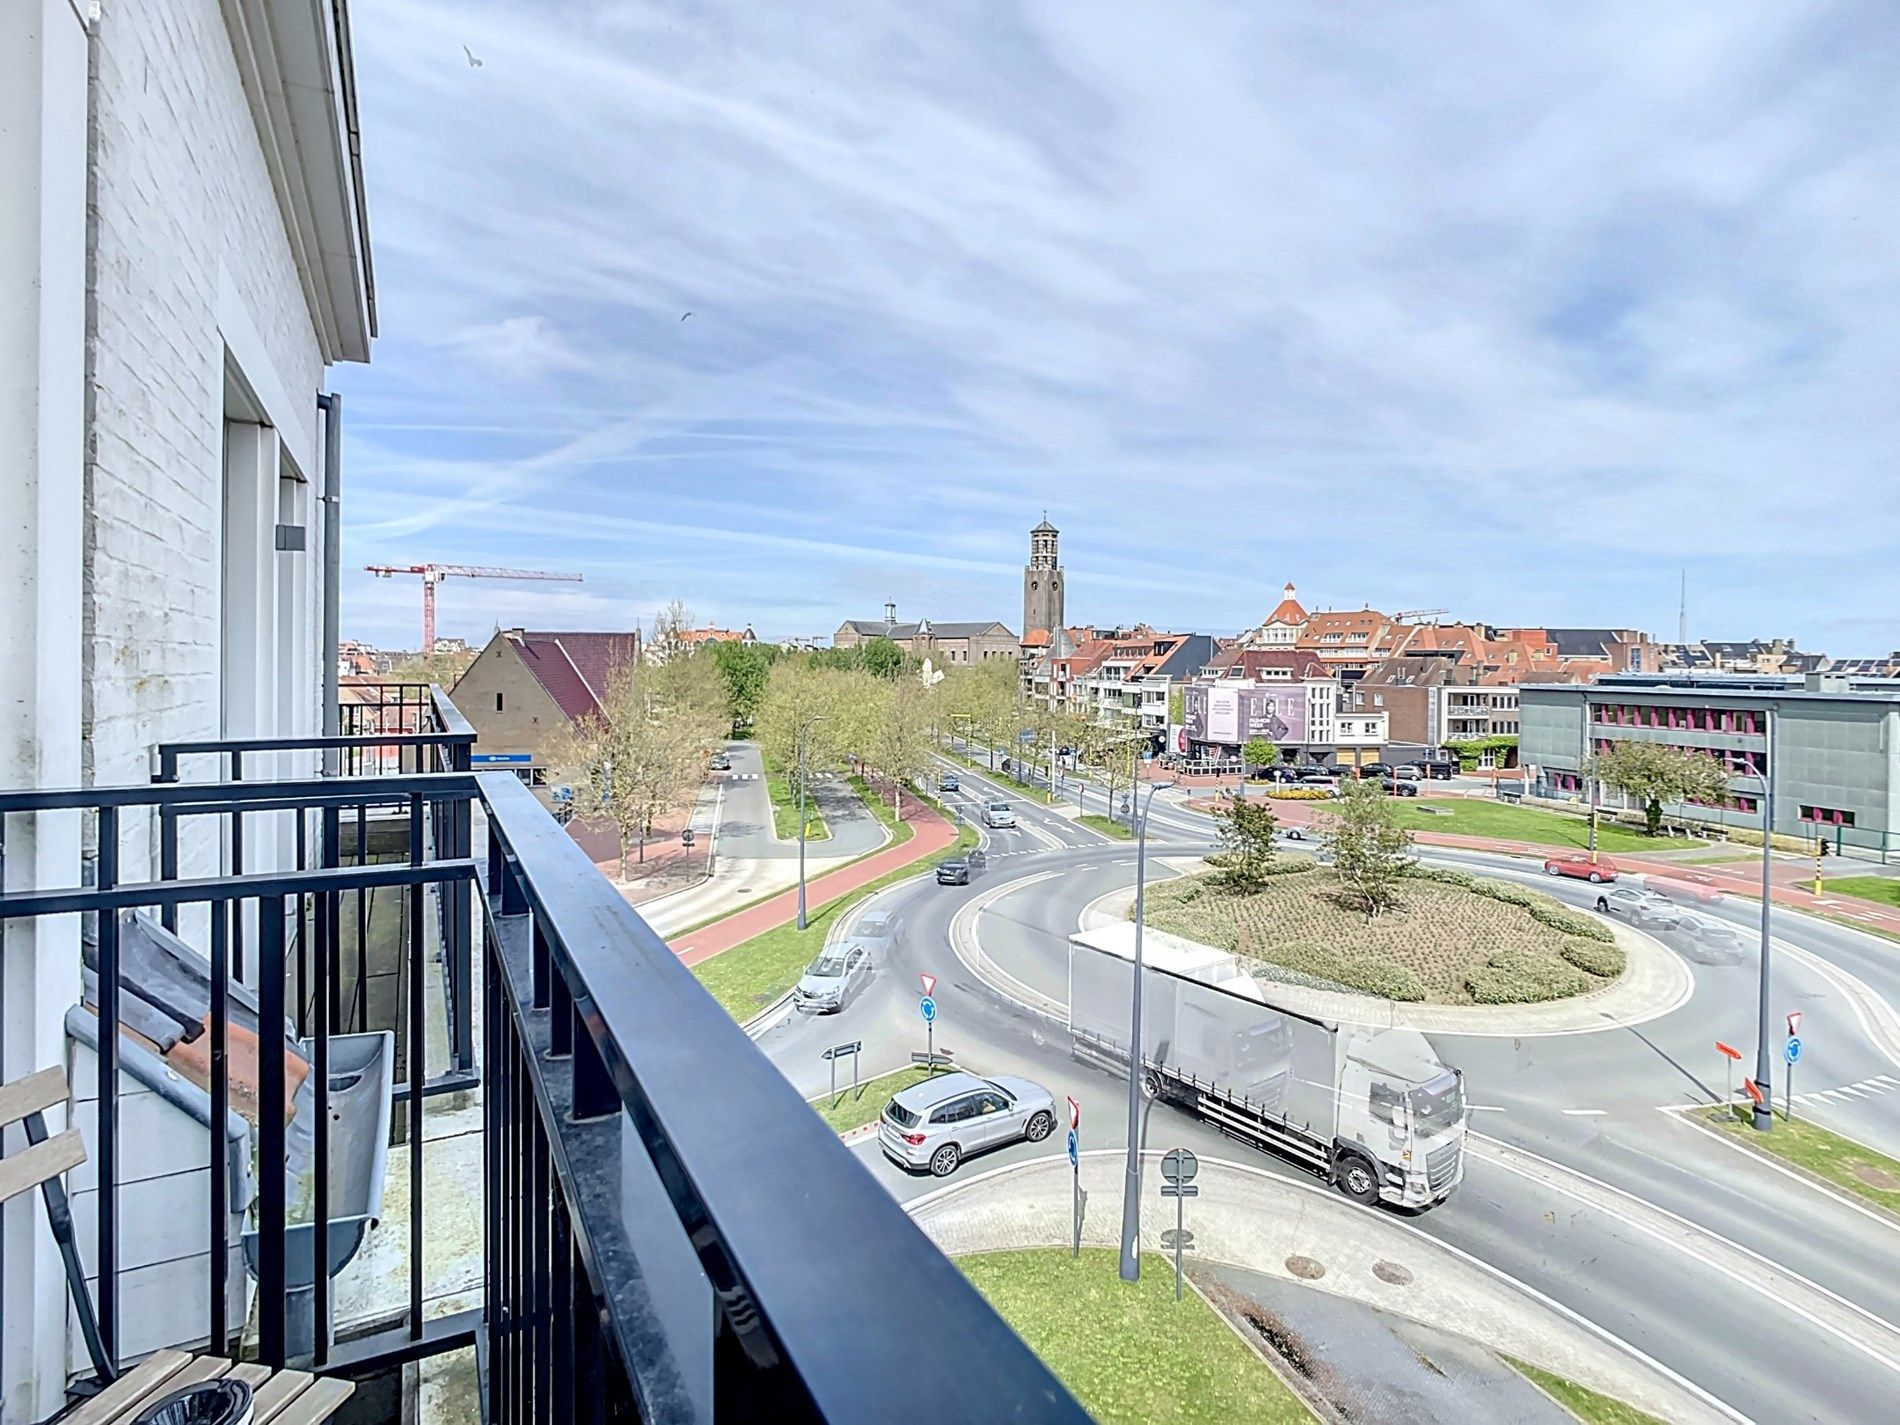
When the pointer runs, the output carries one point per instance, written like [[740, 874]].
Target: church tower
[[1042, 582]]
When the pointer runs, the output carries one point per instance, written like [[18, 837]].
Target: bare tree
[[1372, 850]]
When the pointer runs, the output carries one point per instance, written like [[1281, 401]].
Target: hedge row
[[1298, 794], [1524, 977], [1604, 961], [1571, 922]]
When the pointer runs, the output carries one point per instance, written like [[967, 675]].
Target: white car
[[998, 814], [1632, 902]]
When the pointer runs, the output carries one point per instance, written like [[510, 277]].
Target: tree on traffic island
[[1246, 845], [1372, 850]]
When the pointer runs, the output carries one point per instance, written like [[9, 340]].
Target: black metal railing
[[669, 1232]]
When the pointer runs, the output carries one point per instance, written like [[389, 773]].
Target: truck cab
[[1402, 1117]]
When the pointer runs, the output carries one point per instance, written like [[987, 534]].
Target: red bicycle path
[[1743, 881], [930, 833]]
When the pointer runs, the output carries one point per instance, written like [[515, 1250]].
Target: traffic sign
[[839, 1051], [927, 1007], [930, 982], [1075, 1156], [1754, 1089], [1179, 1190], [1179, 1166], [1791, 1051], [1075, 1114], [1794, 1023], [1726, 1051]]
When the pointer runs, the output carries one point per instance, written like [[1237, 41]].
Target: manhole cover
[[1305, 1268], [1877, 1178], [1392, 1272]]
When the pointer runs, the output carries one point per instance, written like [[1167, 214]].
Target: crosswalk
[[1848, 1093]]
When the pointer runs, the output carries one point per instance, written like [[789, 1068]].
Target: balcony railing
[[669, 1232]]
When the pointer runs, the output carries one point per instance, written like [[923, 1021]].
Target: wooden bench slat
[[251, 1373], [317, 1403], [33, 1094], [277, 1392], [155, 1369], [27, 1170], [199, 1368]]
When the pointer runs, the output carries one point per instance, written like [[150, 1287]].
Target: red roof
[[575, 668], [1251, 662], [1288, 610]]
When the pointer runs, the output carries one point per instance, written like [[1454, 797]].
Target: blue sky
[[1514, 310]]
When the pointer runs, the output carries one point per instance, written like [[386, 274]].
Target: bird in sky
[[473, 63], [683, 318]]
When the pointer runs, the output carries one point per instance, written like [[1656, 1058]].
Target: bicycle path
[[930, 833]]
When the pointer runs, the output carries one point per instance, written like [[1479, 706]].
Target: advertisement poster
[[1227, 717]]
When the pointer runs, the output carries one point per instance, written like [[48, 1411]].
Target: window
[[539, 777], [1387, 1104], [1828, 816], [497, 702]]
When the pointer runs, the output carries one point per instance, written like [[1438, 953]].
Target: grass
[[1016, 787], [1130, 1354], [1587, 1405], [1478, 817], [1729, 860], [854, 1110], [785, 808], [755, 972], [1882, 890], [1814, 1149], [1106, 826], [1443, 943]]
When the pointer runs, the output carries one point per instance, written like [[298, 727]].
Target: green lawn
[[855, 1110], [1885, 890], [1840, 1161], [755, 972], [1130, 1354], [1478, 817], [1106, 826], [1014, 787], [785, 809], [1586, 1404]]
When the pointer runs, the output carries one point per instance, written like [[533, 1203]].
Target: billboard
[[1231, 716]]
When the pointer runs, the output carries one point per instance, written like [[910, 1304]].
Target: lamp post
[[1585, 763], [1764, 1117], [1131, 1185], [802, 732]]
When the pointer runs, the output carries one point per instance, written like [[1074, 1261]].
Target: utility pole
[[1764, 1118], [1583, 762], [1131, 1185], [813, 722]]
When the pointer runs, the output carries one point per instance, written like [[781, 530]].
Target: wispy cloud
[[1506, 309]]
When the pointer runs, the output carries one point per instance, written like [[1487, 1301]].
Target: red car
[[1582, 867], [1693, 886]]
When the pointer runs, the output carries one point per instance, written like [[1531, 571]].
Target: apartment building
[[1279, 629]]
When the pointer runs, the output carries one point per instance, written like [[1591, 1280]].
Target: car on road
[[1317, 776], [1690, 886], [875, 929], [1393, 786], [721, 762], [1632, 902], [834, 978], [948, 783], [1716, 942], [933, 1126], [1579, 866], [954, 872], [998, 814]]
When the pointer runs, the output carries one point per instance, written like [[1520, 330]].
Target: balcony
[[573, 1176]]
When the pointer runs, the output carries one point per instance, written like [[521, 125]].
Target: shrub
[[1298, 794], [1308, 958], [1444, 875], [1604, 961], [1501, 891], [1571, 922], [1390, 981], [1290, 865], [1519, 976]]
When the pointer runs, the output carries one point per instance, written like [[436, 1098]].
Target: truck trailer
[[1370, 1110]]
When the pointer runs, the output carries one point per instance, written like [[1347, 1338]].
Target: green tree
[[1246, 845], [743, 667], [881, 658], [799, 694], [1653, 774], [1372, 850], [1260, 753], [897, 741]]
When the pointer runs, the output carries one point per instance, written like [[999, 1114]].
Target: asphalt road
[[745, 822], [1590, 1105]]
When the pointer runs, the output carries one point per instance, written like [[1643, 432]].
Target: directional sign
[[839, 1051], [1179, 1166], [1074, 1154], [1075, 1113], [930, 982], [1727, 1052], [1794, 1023], [1791, 1051], [1754, 1089], [927, 1007]]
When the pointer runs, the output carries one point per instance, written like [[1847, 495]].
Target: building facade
[[949, 644], [1831, 744], [1042, 585], [524, 687]]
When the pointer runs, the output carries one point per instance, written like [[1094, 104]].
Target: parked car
[[948, 783], [830, 981], [998, 814], [1437, 768], [1408, 774], [1317, 776], [938, 1123], [1375, 769], [721, 762], [1578, 865], [954, 872], [1395, 788]]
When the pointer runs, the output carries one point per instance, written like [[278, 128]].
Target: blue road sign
[[927, 1007], [1791, 1051], [1074, 1157]]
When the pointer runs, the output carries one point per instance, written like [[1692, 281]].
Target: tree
[[801, 695], [1372, 851], [670, 626], [632, 760], [1653, 774], [881, 657], [743, 668], [897, 740], [1246, 845], [1259, 752]]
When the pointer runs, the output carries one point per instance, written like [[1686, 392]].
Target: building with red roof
[[526, 685]]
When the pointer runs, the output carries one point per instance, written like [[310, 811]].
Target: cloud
[[1509, 310]]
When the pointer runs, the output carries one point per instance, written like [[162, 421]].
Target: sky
[[1514, 310]]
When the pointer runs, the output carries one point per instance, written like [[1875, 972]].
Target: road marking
[[1586, 1112], [1854, 1089], [1865, 1211], [1485, 1107], [1767, 1278], [1836, 1095], [1889, 1080]]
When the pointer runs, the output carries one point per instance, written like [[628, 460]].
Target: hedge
[[1298, 794], [1285, 865], [1444, 875], [1604, 961], [1524, 977], [1501, 891], [1310, 958], [1571, 922]]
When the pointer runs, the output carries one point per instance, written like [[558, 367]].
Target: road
[[1773, 1296]]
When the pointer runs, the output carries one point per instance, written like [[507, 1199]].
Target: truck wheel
[[944, 1161], [1151, 1084], [1359, 1180]]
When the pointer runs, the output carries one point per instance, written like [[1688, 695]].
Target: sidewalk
[[668, 866], [930, 834]]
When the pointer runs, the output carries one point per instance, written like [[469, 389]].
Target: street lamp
[[1131, 1185], [1764, 1116], [802, 731]]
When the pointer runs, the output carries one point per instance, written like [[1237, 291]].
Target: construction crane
[[1418, 614], [433, 574]]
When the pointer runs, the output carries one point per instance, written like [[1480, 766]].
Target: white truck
[[1371, 1110]]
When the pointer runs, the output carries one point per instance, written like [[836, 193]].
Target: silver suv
[[945, 1119], [999, 814]]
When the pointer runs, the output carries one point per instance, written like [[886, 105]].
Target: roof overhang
[[293, 57]]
